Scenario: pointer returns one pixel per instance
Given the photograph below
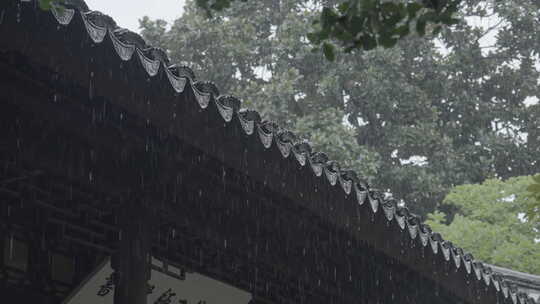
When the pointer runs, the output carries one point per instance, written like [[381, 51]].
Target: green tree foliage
[[451, 102], [533, 205], [60, 4], [489, 222], [366, 24], [47, 4]]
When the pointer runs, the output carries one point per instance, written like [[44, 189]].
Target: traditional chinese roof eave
[[526, 282], [292, 167]]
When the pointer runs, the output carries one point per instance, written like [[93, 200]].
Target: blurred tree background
[[489, 220], [419, 118], [366, 24]]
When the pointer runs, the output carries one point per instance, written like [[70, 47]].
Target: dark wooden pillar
[[131, 263], [39, 268]]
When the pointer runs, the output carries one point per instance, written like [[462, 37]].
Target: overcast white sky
[[126, 13]]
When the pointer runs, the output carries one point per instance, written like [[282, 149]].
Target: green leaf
[[535, 188], [413, 8], [402, 30], [48, 4], [387, 41], [389, 8], [421, 27], [368, 42], [328, 17], [343, 7], [313, 38], [329, 51], [45, 5], [357, 24], [343, 36]]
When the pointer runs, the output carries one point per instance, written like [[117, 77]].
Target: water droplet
[[91, 89], [18, 12], [2, 16]]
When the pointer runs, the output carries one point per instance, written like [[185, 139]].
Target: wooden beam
[[131, 262]]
